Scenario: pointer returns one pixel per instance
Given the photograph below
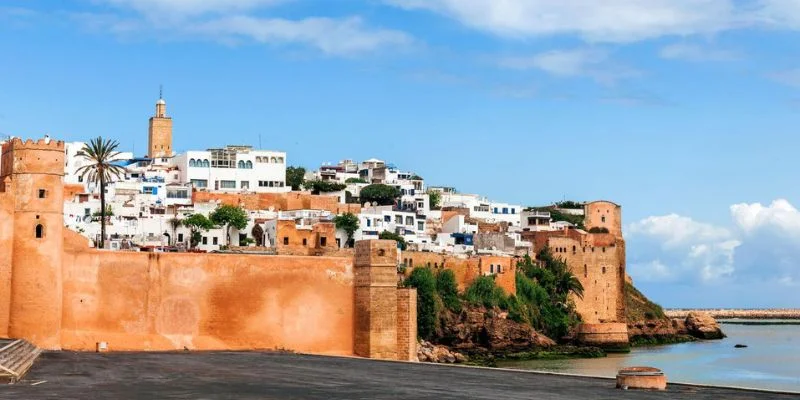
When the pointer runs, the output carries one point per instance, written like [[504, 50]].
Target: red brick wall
[[407, 324]]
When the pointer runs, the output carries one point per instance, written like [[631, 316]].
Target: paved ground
[[230, 375]]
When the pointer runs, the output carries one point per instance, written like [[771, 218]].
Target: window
[[178, 194], [305, 242], [410, 221], [387, 218], [491, 269], [205, 239], [574, 249], [420, 225], [603, 218], [227, 184], [273, 160], [80, 179], [223, 158], [280, 160], [495, 210], [369, 223], [215, 240], [244, 184], [248, 164], [205, 164], [240, 164], [285, 240], [199, 183], [180, 237], [323, 241], [604, 270], [585, 271], [42, 193], [513, 210], [398, 219], [149, 190], [192, 162], [39, 231], [505, 210]]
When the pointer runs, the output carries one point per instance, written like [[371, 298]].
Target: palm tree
[[100, 153], [567, 283], [174, 222]]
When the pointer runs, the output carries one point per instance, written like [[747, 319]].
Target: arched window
[[574, 249], [603, 218], [206, 164], [192, 163], [248, 164], [240, 164], [258, 159], [39, 231], [280, 160], [273, 160], [265, 159]]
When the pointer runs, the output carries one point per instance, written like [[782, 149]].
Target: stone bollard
[[641, 378]]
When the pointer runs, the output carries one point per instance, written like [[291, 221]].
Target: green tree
[[100, 153], [347, 222], [295, 177], [354, 180], [447, 288], [228, 216], [424, 281], [317, 187], [434, 199], [384, 195], [386, 235], [197, 223]]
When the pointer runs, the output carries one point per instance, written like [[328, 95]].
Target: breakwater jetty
[[719, 313]]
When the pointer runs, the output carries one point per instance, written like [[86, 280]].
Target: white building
[[234, 169]]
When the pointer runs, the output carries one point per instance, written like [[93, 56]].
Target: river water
[[771, 360]]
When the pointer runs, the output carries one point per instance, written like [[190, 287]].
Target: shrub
[[354, 180], [295, 177], [447, 288], [386, 235], [317, 187], [424, 281], [483, 291], [384, 195], [598, 229]]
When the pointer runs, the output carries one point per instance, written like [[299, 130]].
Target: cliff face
[[648, 324], [481, 329]]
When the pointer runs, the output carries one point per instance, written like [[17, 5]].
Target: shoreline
[[742, 313]]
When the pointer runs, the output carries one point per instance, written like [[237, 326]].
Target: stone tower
[[33, 175], [159, 138], [375, 269]]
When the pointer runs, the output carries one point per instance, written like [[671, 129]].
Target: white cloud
[[693, 52], [176, 8], [230, 21], [602, 21], [590, 62], [780, 215], [331, 36], [675, 230]]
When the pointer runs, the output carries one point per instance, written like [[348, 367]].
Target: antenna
[[160, 92], [259, 142]]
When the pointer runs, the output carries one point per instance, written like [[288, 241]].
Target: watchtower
[[33, 174]]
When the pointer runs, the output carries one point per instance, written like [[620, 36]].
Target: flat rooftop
[[256, 375]]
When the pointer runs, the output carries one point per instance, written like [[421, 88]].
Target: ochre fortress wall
[[60, 294]]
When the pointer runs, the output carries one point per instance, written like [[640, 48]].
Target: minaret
[[159, 139]]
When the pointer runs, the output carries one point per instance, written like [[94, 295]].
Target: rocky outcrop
[[704, 326], [429, 352], [479, 329]]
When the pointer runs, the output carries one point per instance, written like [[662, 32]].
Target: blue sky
[[686, 112]]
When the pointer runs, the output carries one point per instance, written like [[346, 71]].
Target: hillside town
[[147, 204]]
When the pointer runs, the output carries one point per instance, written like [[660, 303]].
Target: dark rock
[[740, 346]]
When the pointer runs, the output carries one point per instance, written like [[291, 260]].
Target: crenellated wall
[[278, 201]]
